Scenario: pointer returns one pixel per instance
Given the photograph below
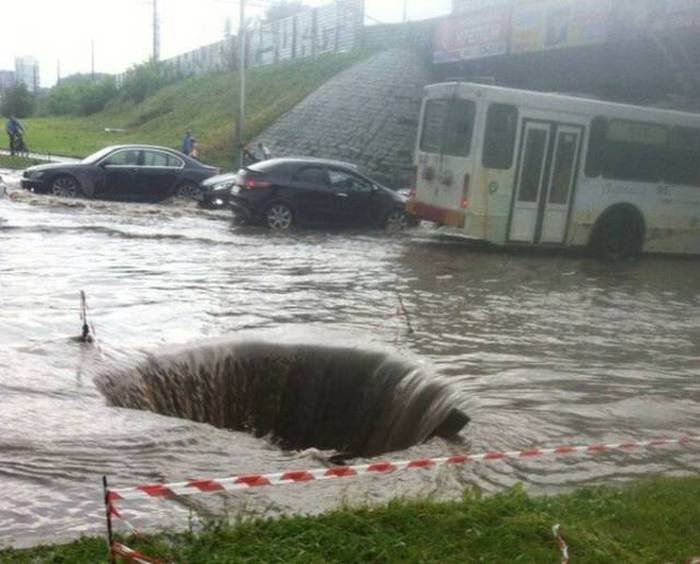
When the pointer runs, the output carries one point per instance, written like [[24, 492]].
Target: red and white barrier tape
[[131, 555], [245, 482], [114, 512], [556, 530]]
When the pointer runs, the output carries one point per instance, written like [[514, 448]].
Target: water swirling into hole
[[360, 402]]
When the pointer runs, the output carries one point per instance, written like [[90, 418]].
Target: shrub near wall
[[80, 97]]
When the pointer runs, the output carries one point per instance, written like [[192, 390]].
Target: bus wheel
[[618, 235]]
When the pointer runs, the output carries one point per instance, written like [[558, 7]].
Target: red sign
[[482, 33]]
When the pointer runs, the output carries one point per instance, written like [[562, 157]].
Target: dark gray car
[[143, 173], [281, 193]]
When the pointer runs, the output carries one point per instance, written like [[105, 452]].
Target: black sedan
[[216, 191], [281, 193], [141, 173]]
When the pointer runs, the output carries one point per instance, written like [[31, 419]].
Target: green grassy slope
[[206, 103], [650, 522]]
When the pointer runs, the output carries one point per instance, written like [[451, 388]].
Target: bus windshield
[[448, 125]]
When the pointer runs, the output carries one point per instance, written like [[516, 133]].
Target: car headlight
[[34, 174], [224, 185]]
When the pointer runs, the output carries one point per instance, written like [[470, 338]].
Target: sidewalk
[[46, 157]]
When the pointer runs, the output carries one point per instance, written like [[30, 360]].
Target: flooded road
[[543, 350]]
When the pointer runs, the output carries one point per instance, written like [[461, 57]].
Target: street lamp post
[[240, 118]]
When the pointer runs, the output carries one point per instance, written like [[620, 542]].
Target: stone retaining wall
[[367, 115]]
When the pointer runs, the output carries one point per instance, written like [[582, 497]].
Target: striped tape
[[131, 555], [561, 543], [244, 482]]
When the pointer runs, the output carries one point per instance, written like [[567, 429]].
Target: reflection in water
[[542, 350]]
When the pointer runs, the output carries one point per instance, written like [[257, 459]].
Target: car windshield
[[98, 155]]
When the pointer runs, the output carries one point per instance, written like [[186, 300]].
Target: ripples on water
[[545, 350]]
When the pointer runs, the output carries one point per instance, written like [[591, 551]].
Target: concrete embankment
[[367, 114]]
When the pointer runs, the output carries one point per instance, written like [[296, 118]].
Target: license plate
[[236, 190]]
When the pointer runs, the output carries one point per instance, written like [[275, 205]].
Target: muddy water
[[544, 350]]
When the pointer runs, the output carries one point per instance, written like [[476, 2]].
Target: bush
[[17, 101], [143, 80], [80, 96]]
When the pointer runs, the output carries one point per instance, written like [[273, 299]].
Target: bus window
[[683, 163], [499, 141], [596, 147], [433, 126], [448, 126], [627, 150], [533, 162]]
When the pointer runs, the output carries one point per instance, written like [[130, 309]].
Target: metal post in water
[[85, 336], [108, 515], [404, 311]]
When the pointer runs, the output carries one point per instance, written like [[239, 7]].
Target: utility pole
[[58, 71], [240, 117], [156, 32], [405, 11], [92, 60]]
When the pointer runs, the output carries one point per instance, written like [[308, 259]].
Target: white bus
[[513, 167]]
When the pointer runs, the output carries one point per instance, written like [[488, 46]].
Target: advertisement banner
[[483, 33], [550, 24], [635, 19]]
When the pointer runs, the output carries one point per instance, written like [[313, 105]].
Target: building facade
[[27, 72], [7, 79]]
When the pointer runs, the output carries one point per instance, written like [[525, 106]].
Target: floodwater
[[543, 350]]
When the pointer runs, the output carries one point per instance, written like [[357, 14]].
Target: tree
[[283, 9], [17, 101], [143, 80], [80, 95]]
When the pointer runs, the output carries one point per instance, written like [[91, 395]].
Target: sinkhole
[[359, 402]]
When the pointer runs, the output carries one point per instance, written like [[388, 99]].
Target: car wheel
[[187, 190], [279, 217], [396, 221], [66, 187]]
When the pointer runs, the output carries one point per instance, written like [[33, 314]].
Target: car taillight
[[252, 184], [464, 204]]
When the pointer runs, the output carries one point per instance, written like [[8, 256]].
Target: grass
[[16, 162], [651, 521], [205, 103]]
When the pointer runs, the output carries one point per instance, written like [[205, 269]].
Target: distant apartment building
[[7, 79], [27, 72]]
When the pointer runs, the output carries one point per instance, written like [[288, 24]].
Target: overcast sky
[[53, 30]]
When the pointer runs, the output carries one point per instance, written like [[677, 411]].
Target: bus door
[[546, 181]]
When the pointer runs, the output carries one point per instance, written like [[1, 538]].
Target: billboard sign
[[550, 24], [472, 35]]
